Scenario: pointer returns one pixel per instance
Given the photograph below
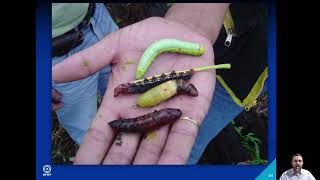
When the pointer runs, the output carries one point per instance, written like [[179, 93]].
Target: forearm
[[205, 18]]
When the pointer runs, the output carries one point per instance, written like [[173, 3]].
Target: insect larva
[[165, 91], [144, 85], [166, 45], [147, 122]]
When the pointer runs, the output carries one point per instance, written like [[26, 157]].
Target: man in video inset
[[297, 172]]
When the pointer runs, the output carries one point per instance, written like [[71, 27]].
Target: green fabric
[[66, 16]]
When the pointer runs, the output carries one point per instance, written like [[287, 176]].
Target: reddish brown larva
[[144, 85], [147, 122]]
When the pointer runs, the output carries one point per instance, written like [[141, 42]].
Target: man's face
[[297, 163]]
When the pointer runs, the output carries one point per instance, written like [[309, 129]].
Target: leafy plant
[[251, 143], [118, 20]]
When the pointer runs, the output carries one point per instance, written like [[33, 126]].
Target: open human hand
[[170, 144]]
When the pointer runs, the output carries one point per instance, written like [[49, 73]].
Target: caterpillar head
[[122, 88]]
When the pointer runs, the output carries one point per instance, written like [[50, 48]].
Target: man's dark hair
[[297, 154]]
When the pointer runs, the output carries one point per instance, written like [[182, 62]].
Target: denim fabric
[[80, 97], [221, 112]]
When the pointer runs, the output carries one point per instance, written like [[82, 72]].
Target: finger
[[123, 153], [98, 138], [86, 62], [183, 133], [151, 146], [181, 138]]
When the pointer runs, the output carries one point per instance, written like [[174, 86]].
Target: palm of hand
[[132, 43], [165, 145]]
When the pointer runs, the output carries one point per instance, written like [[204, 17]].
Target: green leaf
[[250, 134], [71, 158], [117, 20]]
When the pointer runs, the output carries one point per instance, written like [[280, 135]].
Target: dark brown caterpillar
[[183, 87], [141, 86], [147, 122]]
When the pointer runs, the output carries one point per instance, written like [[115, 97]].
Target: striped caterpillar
[[166, 45], [141, 86], [147, 122], [165, 91]]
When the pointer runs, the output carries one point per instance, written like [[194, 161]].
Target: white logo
[[270, 175], [46, 169]]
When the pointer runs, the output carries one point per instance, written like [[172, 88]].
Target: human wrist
[[195, 16]]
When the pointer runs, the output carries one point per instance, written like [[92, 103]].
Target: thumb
[[88, 61]]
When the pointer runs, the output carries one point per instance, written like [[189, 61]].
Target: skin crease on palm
[[169, 144]]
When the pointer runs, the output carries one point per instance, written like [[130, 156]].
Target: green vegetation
[[251, 143]]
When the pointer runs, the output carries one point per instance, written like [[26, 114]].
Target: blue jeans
[[80, 97], [221, 112]]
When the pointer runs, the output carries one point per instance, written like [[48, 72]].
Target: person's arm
[[205, 18]]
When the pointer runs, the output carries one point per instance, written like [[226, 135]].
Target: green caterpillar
[[165, 91], [166, 45]]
